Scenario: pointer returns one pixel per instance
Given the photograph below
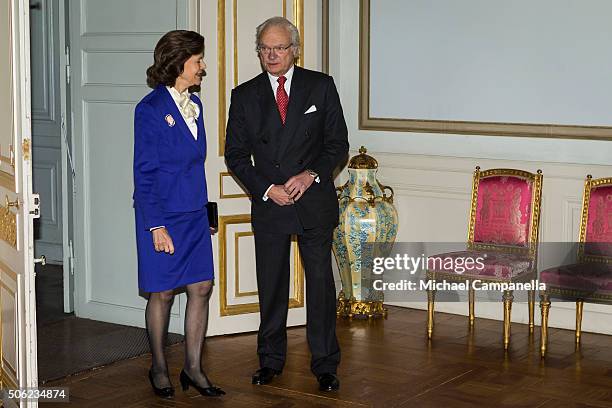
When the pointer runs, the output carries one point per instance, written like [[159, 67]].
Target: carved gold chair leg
[[531, 303], [545, 307], [471, 295], [431, 295], [579, 308], [508, 297]]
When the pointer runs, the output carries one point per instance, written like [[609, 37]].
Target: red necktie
[[282, 99]]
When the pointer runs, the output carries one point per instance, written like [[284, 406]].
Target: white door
[[112, 44], [17, 297]]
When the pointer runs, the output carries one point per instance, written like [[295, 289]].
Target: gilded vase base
[[356, 308]]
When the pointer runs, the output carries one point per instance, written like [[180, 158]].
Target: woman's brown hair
[[171, 52]]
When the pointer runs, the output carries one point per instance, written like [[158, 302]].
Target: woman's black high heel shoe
[[211, 391], [166, 392]]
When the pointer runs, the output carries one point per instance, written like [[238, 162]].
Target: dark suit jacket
[[168, 161], [317, 141]]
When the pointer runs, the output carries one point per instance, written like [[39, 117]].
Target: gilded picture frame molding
[[367, 122]]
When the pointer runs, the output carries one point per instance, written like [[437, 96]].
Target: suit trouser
[[272, 259]]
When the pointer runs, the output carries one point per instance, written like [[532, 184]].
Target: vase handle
[[340, 189], [383, 187]]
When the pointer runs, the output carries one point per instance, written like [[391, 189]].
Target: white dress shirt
[[274, 82]]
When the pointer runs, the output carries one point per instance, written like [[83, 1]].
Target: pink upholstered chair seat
[[495, 265], [587, 276]]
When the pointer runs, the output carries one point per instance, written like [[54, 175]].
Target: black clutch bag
[[213, 214]]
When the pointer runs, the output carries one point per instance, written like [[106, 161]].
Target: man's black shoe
[[328, 382], [264, 375]]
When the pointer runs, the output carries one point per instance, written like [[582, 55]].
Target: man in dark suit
[[290, 121]]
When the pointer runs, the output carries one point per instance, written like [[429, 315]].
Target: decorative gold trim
[[222, 193], [431, 297], [507, 298], [296, 301], [11, 369], [545, 307], [7, 381], [298, 20], [8, 226], [325, 36], [284, 6], [237, 292], [366, 122], [8, 271], [10, 159], [25, 148], [579, 308], [531, 306], [356, 308], [7, 180], [221, 68], [235, 39], [471, 314], [589, 185]]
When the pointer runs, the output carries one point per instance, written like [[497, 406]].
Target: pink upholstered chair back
[[505, 207], [596, 225]]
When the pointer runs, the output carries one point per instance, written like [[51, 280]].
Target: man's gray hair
[[279, 22]]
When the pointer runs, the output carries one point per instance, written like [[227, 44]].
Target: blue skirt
[[192, 260]]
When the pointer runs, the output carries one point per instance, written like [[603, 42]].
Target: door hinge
[[35, 205], [67, 51], [25, 149], [71, 256]]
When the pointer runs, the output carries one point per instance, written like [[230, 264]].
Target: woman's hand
[[162, 241]]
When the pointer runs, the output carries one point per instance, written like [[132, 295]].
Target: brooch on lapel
[[170, 120]]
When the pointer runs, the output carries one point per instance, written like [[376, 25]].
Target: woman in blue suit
[[172, 231]]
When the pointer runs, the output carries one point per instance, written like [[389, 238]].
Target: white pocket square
[[311, 109]]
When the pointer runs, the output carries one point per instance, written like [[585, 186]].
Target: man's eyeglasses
[[280, 50]]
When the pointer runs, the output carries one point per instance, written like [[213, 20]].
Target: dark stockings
[[196, 322], [157, 316]]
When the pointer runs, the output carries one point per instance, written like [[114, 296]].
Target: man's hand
[[278, 194], [162, 241], [297, 185]]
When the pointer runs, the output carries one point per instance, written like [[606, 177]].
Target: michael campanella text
[[404, 285]]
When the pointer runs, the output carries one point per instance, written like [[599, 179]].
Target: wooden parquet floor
[[385, 363]]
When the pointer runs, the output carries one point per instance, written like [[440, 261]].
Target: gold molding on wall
[[222, 193], [296, 301], [367, 122], [325, 36], [298, 20], [237, 292], [221, 73]]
